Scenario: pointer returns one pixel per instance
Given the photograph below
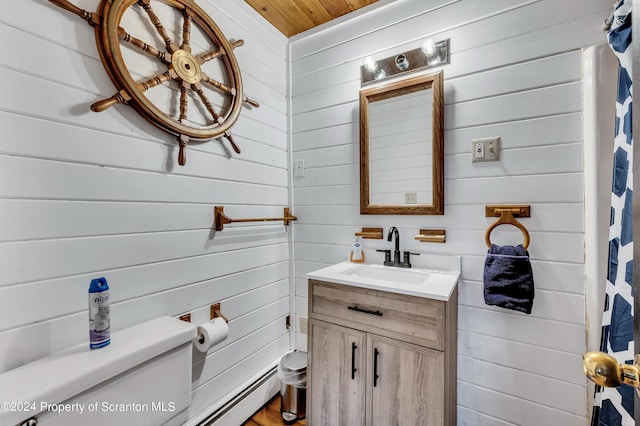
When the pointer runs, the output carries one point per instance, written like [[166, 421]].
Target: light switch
[[298, 168], [486, 149]]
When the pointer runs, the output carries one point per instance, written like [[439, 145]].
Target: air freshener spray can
[[99, 318]]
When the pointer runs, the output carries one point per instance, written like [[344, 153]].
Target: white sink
[[432, 284], [385, 273]]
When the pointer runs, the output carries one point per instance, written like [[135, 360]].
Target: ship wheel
[[186, 82]]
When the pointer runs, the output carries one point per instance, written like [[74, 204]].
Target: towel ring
[[507, 218]]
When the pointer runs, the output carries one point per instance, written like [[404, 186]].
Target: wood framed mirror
[[402, 147]]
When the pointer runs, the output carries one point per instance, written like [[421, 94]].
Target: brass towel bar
[[370, 233], [431, 236], [220, 219], [507, 214]]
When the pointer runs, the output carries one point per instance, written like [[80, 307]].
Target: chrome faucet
[[393, 231]]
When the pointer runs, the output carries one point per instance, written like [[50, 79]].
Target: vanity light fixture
[[429, 54]]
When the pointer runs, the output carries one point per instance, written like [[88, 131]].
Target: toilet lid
[[294, 361]]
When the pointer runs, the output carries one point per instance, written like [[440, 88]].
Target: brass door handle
[[604, 370]]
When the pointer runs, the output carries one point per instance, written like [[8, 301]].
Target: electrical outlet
[[486, 149], [410, 198], [478, 149], [303, 325], [298, 168]]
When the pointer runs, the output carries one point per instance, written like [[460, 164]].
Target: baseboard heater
[[241, 396]]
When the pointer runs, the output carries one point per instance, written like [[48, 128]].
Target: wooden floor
[[269, 415]]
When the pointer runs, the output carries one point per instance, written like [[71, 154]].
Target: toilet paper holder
[[214, 331], [215, 312]]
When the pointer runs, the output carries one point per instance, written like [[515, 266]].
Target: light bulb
[[380, 74], [429, 47], [370, 64]]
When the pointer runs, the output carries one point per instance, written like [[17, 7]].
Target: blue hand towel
[[508, 278]]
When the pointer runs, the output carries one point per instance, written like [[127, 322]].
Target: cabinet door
[[336, 375], [406, 383]]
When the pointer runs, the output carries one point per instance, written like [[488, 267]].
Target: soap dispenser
[[357, 255]]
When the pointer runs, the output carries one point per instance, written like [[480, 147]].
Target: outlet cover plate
[[303, 325], [485, 149]]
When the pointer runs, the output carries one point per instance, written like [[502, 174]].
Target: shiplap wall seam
[[270, 273], [28, 110], [476, 36], [72, 162], [441, 16], [534, 399], [527, 386], [61, 265], [237, 24], [326, 42]]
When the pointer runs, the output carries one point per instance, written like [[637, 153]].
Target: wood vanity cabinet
[[380, 358]]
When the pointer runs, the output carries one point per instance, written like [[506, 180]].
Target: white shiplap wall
[[84, 195], [515, 72]]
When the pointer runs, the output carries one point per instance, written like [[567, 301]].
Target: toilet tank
[[142, 378]]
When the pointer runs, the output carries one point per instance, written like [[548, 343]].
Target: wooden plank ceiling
[[291, 17]]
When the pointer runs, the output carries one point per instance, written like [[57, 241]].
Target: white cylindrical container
[[99, 314]]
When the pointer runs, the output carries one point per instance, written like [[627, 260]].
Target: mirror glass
[[401, 147]]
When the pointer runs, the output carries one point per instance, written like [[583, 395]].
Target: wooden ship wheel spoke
[[146, 5], [198, 89], [142, 46], [170, 113], [121, 97], [186, 29]]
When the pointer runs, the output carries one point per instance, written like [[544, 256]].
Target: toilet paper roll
[[211, 333]]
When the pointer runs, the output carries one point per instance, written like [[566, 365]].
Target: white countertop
[[436, 284]]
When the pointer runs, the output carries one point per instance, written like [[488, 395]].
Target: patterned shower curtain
[[614, 406]]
